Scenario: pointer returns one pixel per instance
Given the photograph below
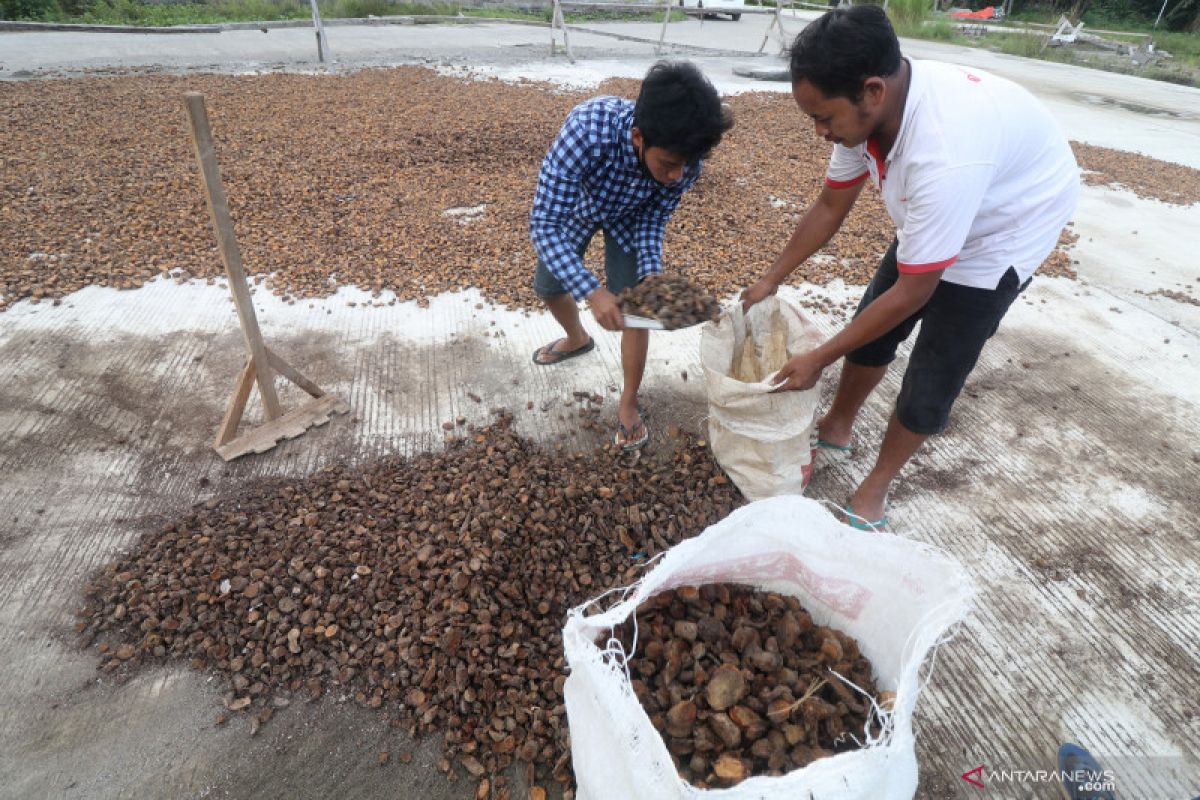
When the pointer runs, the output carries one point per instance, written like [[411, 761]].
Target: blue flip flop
[[837, 448], [1082, 776], [860, 524]]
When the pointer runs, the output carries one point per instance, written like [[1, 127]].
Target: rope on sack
[[613, 652], [878, 712], [944, 637], [886, 718]]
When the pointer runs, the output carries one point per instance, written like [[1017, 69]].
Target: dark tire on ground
[[735, 17]]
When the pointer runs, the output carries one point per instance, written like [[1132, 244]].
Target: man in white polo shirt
[[979, 181]]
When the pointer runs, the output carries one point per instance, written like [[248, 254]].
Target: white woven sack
[[763, 440], [895, 596]]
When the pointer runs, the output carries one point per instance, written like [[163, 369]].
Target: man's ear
[[874, 90], [636, 135]]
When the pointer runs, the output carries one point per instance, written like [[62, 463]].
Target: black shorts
[[956, 322]]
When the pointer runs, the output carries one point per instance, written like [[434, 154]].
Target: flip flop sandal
[[1082, 776], [630, 444], [861, 524], [836, 448], [546, 355]]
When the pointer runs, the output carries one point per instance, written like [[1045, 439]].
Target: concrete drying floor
[[1066, 483]]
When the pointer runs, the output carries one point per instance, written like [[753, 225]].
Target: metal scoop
[[634, 321]]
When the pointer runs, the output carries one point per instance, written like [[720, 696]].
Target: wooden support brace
[[292, 374], [289, 426], [262, 364], [237, 404]]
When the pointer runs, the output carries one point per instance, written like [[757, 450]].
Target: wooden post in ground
[[322, 41], [776, 22], [261, 363], [663, 34], [559, 22]]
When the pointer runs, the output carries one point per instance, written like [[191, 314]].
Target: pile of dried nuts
[[740, 682], [366, 180], [1142, 175], [672, 300], [433, 588]]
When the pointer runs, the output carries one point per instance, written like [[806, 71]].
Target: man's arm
[[902, 300], [823, 219], [941, 210], [554, 203]]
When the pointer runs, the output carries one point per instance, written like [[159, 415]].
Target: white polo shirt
[[980, 178]]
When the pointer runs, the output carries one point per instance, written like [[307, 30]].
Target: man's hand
[[758, 292], [802, 372], [606, 309]]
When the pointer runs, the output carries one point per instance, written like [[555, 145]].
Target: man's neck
[[893, 118]]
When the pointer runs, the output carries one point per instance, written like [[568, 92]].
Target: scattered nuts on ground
[[329, 186], [433, 588]]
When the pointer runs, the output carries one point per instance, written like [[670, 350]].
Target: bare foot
[[832, 432], [869, 502]]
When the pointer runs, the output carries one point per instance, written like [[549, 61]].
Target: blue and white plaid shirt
[[591, 179]]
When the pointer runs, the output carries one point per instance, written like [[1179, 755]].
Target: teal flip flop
[[837, 448], [860, 524]]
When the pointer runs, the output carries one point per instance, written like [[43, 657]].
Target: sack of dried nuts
[[896, 598], [764, 440]]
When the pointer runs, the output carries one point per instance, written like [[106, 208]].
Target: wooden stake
[[322, 41], [237, 404], [776, 22], [558, 21], [218, 207], [662, 35], [261, 363]]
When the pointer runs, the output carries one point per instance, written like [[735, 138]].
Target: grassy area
[[571, 17], [1183, 68], [1026, 46], [937, 30], [914, 19], [128, 12], [1182, 46], [132, 12]]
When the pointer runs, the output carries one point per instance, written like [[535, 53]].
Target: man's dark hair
[[680, 111], [844, 47]]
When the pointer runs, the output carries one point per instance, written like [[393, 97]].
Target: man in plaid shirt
[[622, 167]]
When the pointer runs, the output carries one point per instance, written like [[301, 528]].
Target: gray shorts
[[620, 270]]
